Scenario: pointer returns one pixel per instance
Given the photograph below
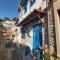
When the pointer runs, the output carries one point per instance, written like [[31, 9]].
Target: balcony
[[31, 16]]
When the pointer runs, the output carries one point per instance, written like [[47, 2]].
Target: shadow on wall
[[25, 30], [14, 52]]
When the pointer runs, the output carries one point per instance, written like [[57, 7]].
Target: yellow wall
[[57, 25]]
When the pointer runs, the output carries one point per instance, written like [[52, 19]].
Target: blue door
[[37, 38]]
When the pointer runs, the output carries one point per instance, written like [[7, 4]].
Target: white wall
[[17, 35], [36, 5], [27, 40]]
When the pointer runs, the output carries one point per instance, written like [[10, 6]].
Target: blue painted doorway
[[37, 39]]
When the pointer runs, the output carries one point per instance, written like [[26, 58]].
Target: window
[[25, 9], [23, 32], [32, 2], [23, 3]]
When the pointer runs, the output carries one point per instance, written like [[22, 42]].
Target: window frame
[[32, 2]]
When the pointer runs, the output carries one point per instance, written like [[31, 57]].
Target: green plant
[[46, 56]]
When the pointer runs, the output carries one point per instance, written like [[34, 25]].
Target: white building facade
[[33, 20], [27, 8]]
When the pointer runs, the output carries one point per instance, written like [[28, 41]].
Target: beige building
[[57, 24]]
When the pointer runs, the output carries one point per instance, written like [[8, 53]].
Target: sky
[[8, 8]]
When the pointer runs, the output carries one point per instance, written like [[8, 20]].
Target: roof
[[32, 16]]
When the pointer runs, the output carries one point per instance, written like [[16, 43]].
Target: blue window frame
[[32, 2]]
